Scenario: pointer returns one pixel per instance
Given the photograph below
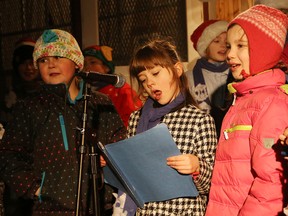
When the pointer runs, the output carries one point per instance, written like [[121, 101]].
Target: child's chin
[[55, 83]]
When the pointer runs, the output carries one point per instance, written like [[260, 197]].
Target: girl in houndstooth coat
[[159, 72]]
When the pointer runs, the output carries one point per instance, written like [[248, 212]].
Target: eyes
[[220, 38], [143, 78], [26, 62], [94, 62], [228, 46], [46, 59], [239, 45], [216, 40]]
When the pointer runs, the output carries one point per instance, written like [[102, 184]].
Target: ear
[[179, 68]]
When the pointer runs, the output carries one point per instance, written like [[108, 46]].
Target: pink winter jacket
[[247, 177]]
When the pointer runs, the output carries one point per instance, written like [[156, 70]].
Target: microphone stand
[[94, 161]]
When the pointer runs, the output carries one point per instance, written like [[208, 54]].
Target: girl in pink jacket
[[247, 178]]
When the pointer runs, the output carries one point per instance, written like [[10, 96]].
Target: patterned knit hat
[[104, 53], [266, 29], [56, 42], [279, 4], [23, 51], [205, 33]]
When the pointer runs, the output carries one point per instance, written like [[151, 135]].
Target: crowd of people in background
[[228, 116]]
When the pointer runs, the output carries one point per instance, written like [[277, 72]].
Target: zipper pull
[[226, 134], [234, 99]]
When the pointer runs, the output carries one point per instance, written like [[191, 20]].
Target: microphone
[[92, 76]]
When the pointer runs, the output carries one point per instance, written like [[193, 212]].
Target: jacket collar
[[266, 79], [62, 91], [58, 89]]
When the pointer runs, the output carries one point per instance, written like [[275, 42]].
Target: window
[[125, 24]]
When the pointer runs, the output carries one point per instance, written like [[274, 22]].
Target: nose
[[230, 54], [223, 44], [150, 82], [51, 62], [86, 66], [30, 66]]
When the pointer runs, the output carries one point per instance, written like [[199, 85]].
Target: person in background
[[247, 177], [40, 150], [125, 99], [25, 82], [209, 77], [26, 79], [161, 79]]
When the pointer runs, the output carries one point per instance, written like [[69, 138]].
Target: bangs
[[148, 58]]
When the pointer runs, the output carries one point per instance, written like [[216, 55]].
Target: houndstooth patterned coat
[[194, 133]]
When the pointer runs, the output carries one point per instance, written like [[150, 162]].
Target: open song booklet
[[137, 166]]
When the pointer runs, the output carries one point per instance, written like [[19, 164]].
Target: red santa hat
[[266, 29], [205, 33], [25, 42], [23, 51]]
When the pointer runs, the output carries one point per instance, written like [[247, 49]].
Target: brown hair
[[158, 52]]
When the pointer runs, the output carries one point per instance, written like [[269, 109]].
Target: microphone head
[[120, 81]]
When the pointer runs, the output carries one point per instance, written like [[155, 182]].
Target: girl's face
[[56, 70], [216, 51], [159, 83], [27, 71], [238, 52], [94, 64]]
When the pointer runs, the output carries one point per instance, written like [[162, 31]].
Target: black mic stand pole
[[94, 162]]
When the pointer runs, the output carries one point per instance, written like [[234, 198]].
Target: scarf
[[151, 116], [199, 78]]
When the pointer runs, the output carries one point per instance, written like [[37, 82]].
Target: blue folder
[[137, 166]]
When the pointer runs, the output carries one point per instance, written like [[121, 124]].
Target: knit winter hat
[[23, 51], [266, 29], [56, 42], [279, 4], [205, 33], [104, 53]]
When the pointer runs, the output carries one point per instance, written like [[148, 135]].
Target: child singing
[[247, 177], [159, 72]]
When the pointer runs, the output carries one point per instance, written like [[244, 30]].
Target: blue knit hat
[[104, 53]]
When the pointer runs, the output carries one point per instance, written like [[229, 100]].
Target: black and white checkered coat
[[194, 133]]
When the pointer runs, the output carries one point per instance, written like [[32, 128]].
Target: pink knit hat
[[266, 29], [205, 33]]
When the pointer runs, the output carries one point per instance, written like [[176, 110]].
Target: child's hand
[[37, 192], [102, 161], [185, 164], [283, 137]]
